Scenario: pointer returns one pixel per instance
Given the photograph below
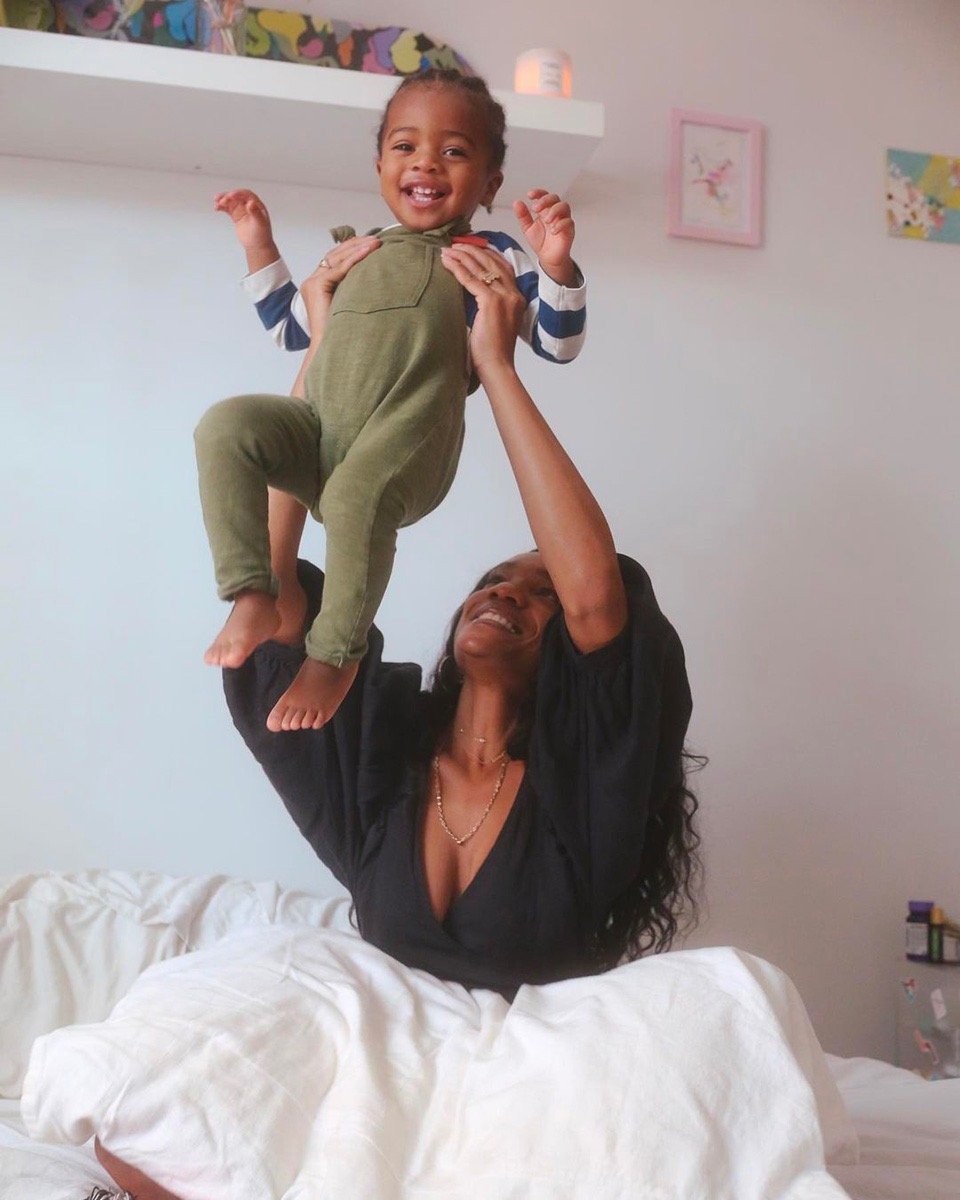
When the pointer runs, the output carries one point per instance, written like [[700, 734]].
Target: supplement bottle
[[935, 935], [917, 929]]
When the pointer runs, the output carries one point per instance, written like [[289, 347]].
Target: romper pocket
[[394, 276]]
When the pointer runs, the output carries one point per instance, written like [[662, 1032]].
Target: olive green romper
[[374, 448]]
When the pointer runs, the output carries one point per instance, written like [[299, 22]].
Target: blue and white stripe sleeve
[[555, 321], [279, 305]]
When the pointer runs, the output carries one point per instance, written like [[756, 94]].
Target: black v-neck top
[[607, 734]]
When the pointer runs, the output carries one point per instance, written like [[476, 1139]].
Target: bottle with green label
[[935, 935]]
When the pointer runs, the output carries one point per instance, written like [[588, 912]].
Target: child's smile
[[424, 196], [434, 162]]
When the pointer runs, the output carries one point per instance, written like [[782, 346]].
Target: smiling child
[[376, 444]]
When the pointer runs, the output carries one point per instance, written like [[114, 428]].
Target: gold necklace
[[482, 741], [439, 799]]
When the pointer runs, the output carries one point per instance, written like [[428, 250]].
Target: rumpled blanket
[[287, 1063]]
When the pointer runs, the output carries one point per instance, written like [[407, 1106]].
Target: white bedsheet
[[306, 1065], [32, 1170], [691, 1075], [72, 944], [909, 1132], [909, 1145]]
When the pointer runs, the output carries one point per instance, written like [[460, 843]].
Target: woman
[[526, 820]]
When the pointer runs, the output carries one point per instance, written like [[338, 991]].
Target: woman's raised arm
[[567, 523]]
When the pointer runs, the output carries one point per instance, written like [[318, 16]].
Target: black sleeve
[[336, 780], [608, 732]]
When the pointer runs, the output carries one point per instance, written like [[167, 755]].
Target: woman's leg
[[129, 1178]]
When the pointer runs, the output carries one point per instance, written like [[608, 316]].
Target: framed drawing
[[716, 170]]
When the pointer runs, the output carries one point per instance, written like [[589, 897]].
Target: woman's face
[[502, 622]]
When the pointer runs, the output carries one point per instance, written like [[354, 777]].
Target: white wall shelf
[[123, 104]]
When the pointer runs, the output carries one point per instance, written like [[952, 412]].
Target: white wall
[[772, 432]]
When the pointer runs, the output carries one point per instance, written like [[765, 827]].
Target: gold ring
[[489, 277]]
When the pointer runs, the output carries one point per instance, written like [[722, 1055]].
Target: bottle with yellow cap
[[935, 935]]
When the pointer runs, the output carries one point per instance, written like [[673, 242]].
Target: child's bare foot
[[292, 610], [314, 696], [253, 619]]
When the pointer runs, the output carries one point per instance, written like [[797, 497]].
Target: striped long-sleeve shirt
[[554, 323]]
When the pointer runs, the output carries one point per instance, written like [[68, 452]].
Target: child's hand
[[548, 227], [249, 215]]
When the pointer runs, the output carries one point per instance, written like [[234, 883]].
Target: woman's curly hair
[[663, 899]]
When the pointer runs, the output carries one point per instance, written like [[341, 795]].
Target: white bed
[[909, 1142], [72, 945], [909, 1131]]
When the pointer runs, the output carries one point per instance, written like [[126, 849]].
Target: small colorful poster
[[923, 196]]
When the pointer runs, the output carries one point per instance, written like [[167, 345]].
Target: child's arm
[[251, 222], [548, 226], [554, 321], [269, 285]]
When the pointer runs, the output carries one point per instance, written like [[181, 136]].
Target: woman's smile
[[493, 614]]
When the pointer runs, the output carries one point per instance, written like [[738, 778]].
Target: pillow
[[293, 1063], [72, 944]]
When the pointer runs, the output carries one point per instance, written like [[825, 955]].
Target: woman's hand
[[548, 226], [489, 278], [317, 289]]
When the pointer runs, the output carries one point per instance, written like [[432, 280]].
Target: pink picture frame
[[716, 178]]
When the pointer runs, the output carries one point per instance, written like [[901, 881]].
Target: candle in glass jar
[[543, 73]]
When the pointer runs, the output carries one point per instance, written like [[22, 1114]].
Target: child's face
[[434, 162]]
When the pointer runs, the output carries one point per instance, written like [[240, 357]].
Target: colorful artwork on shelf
[[28, 14], [228, 27], [222, 26], [389, 50], [923, 196], [159, 22]]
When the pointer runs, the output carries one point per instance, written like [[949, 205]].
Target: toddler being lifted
[[371, 439]]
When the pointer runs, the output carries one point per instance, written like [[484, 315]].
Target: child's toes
[[275, 719], [293, 718]]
